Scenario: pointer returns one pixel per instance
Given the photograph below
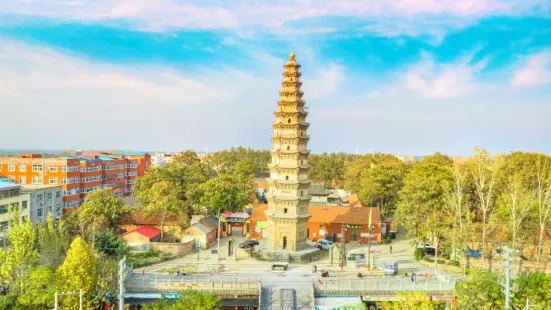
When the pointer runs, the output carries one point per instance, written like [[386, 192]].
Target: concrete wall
[[178, 249]]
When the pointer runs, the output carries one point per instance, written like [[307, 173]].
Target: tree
[[411, 301], [356, 166], [381, 183], [18, 260], [111, 244], [78, 272], [482, 292], [224, 192], [516, 202], [328, 168], [533, 285], [484, 169], [103, 207], [543, 198], [439, 159], [420, 201], [52, 242], [190, 300], [160, 199], [455, 201], [224, 161], [39, 289]]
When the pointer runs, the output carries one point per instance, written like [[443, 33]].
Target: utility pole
[[507, 286], [218, 247], [343, 243], [81, 299], [122, 278], [369, 248]]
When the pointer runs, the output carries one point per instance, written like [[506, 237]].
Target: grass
[[148, 258], [172, 270]]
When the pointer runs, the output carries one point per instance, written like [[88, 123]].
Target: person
[[391, 249], [143, 274], [359, 275], [413, 277], [426, 276], [178, 271], [315, 268]]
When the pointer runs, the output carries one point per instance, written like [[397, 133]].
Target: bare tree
[[543, 199], [456, 205], [517, 201], [484, 169]]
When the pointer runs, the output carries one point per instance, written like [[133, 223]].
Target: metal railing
[[386, 284], [176, 283]]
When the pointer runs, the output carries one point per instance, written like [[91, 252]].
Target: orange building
[[34, 169], [143, 159]]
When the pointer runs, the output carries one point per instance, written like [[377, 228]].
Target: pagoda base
[[306, 255]]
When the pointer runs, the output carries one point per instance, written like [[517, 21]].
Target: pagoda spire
[[288, 198]]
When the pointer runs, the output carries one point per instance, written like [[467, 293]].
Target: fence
[[176, 283], [329, 286]]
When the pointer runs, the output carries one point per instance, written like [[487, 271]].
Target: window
[[40, 198], [4, 225], [301, 133], [50, 195], [11, 167], [288, 148], [37, 180], [50, 209], [289, 121], [22, 168], [37, 168], [287, 177], [285, 210], [53, 168], [64, 181], [58, 194], [302, 193], [15, 205], [63, 168], [3, 209], [53, 180], [39, 213], [11, 179], [24, 204], [22, 180]]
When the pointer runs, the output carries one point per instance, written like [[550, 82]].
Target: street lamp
[[369, 248]]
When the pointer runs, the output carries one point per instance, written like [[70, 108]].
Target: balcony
[[131, 174]]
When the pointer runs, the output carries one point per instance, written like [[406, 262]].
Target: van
[[391, 268]]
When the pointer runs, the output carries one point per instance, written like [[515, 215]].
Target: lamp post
[[369, 248], [343, 242]]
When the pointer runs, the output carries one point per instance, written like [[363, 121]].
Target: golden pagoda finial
[[292, 56]]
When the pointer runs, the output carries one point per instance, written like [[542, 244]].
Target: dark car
[[248, 243]]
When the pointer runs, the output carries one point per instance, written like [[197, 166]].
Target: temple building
[[288, 199]]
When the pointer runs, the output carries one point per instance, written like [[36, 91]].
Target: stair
[[287, 296]]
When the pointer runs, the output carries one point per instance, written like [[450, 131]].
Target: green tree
[[78, 272], [53, 243], [413, 301], [484, 169], [18, 260], [224, 161], [224, 192], [482, 292], [103, 207], [533, 285], [39, 289], [190, 300], [356, 166], [380, 184], [111, 244], [158, 198], [438, 159], [420, 205], [328, 168]]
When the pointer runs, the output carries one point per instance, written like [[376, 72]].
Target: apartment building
[[77, 176], [33, 201], [143, 159], [33, 169]]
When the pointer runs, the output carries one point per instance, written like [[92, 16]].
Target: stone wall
[[178, 249]]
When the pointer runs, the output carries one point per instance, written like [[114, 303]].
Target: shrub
[[419, 254], [387, 239], [441, 261], [428, 259], [455, 263]]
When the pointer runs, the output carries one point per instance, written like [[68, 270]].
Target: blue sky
[[409, 77]]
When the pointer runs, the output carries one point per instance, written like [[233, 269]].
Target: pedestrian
[[426, 276], [391, 249], [178, 271], [315, 268], [414, 277], [143, 274]]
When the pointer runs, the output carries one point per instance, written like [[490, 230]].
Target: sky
[[409, 77]]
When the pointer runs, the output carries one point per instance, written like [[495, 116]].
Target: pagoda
[[287, 214]]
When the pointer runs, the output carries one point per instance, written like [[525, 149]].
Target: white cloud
[[328, 81], [447, 80], [200, 14], [536, 71]]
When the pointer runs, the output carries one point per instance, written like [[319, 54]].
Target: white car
[[324, 244], [425, 245]]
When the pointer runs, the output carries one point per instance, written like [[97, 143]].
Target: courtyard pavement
[[402, 252]]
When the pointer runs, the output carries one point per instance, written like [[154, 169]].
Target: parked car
[[391, 268], [248, 244], [473, 253], [392, 234], [424, 245], [324, 244]]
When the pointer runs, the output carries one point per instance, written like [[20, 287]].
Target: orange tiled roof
[[258, 212], [352, 199], [347, 215]]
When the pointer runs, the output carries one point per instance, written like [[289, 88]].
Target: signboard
[[322, 232], [382, 298], [354, 226], [171, 296], [236, 219]]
